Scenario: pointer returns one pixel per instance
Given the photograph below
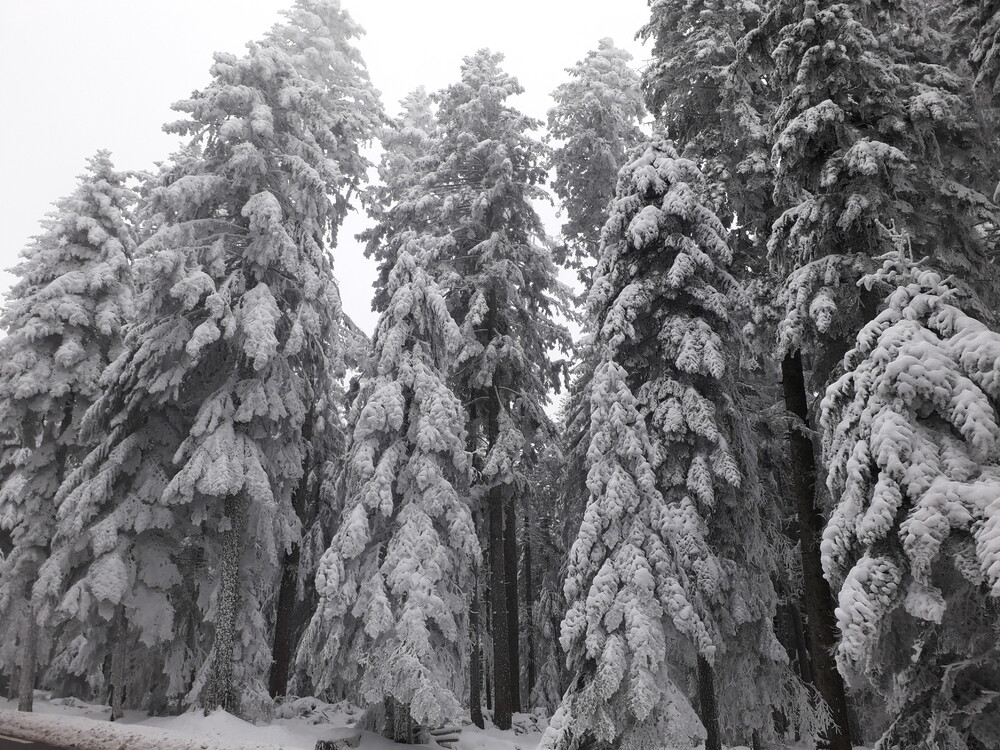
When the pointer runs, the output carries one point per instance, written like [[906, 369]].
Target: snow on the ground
[[72, 723]]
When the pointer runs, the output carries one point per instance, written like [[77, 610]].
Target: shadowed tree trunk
[[475, 661], [29, 663], [497, 502], [818, 602], [709, 710], [529, 620], [220, 692], [119, 656], [513, 625], [282, 648]]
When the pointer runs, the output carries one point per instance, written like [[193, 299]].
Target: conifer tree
[[63, 319], [408, 141], [391, 623], [596, 121], [687, 555], [910, 431], [868, 137], [472, 195], [238, 333]]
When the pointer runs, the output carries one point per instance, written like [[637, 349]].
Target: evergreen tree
[[596, 121], [470, 200], [406, 140], [204, 416], [701, 531], [868, 141], [63, 319], [911, 436], [391, 623]]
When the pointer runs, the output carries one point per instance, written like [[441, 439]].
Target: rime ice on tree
[[394, 583], [912, 436], [63, 320]]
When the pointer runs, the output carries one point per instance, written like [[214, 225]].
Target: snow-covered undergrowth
[[73, 723]]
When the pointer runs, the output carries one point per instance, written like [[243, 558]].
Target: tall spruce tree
[[472, 194], [63, 321], [391, 624], [595, 122], [911, 432], [701, 532], [204, 415], [868, 137]]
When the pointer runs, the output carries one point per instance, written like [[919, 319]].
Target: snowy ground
[[72, 723]]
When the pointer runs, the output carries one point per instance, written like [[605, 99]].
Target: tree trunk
[[29, 662], [529, 620], [513, 608], [220, 692], [502, 699], [118, 658], [475, 661], [709, 709], [817, 599], [282, 647]]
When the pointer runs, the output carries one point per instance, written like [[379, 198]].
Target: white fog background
[[80, 75]]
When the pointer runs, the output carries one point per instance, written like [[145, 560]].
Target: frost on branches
[[391, 624], [63, 320], [669, 559], [911, 432], [595, 121], [177, 522]]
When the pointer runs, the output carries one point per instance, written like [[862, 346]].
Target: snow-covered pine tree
[[911, 432], [712, 110], [595, 122], [868, 143], [473, 194], [63, 321], [671, 561], [391, 625], [406, 140], [186, 506]]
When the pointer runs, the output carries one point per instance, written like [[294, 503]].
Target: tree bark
[[513, 608], [118, 658], [29, 663], [709, 709], [475, 661], [502, 699], [817, 598], [284, 635], [220, 692], [529, 620]]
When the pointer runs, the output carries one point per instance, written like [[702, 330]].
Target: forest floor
[[75, 725], [71, 723]]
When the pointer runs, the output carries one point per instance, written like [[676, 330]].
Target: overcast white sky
[[80, 75]]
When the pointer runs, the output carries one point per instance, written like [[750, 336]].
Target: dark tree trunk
[[119, 656], [513, 625], [529, 620], [29, 663], [476, 661], [817, 599], [497, 501], [285, 617], [709, 709], [220, 692], [502, 704]]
